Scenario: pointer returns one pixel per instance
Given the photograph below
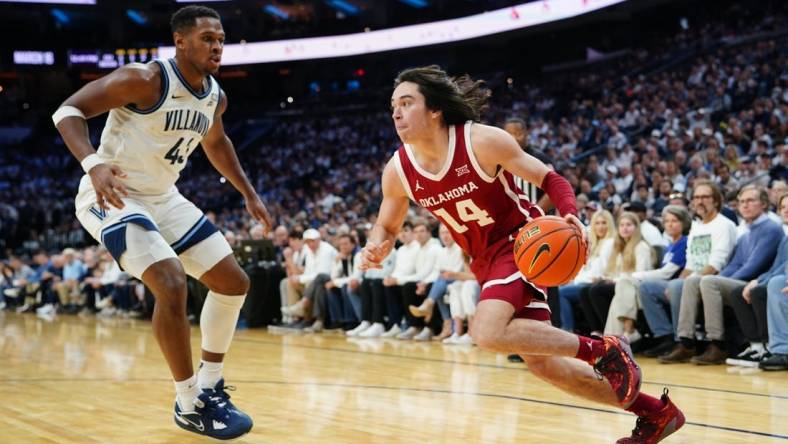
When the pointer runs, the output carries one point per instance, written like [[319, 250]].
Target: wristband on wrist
[[90, 161]]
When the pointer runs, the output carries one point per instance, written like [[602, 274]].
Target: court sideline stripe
[[416, 358], [509, 397], [410, 389]]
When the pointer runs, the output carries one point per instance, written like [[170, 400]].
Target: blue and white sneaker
[[220, 390], [213, 417]]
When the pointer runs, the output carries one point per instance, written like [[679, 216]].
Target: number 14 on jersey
[[468, 212]]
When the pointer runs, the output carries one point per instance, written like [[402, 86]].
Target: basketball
[[549, 251]]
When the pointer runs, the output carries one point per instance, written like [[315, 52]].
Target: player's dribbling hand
[[572, 219], [105, 181], [258, 211], [373, 254]]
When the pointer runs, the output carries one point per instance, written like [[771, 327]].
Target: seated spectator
[[414, 287], [709, 245], [318, 259], [724, 178], [600, 239], [648, 231], [113, 292], [754, 253], [624, 307], [749, 303], [777, 319], [373, 300], [17, 276], [290, 288], [630, 253], [344, 302], [463, 296], [280, 239], [449, 260], [74, 271], [404, 265], [665, 189], [45, 276]]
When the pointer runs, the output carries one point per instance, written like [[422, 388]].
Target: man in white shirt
[[709, 246], [344, 302], [412, 292], [373, 299], [318, 259], [449, 260], [404, 264], [290, 289]]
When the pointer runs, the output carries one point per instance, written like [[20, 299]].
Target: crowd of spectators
[[647, 147]]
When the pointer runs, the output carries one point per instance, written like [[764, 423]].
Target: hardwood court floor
[[87, 380]]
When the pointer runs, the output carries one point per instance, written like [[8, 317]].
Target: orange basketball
[[550, 251]]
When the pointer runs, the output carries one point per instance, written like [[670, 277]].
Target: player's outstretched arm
[[221, 154], [393, 210], [494, 147], [134, 83]]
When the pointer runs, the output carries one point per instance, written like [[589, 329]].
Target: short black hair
[[517, 121], [187, 16], [348, 236]]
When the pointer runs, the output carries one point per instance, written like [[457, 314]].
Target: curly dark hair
[[459, 98], [186, 17]]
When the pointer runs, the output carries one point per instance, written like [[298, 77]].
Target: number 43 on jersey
[[174, 155]]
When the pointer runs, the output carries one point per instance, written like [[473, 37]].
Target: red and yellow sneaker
[[619, 367], [657, 426]]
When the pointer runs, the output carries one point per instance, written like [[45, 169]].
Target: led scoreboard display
[[110, 60]]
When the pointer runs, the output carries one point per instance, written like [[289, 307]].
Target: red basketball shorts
[[500, 279]]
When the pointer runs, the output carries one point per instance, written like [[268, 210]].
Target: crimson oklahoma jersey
[[482, 212]]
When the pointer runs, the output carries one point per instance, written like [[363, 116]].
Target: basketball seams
[[555, 257], [577, 258], [535, 240]]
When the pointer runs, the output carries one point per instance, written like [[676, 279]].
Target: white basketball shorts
[[175, 228]]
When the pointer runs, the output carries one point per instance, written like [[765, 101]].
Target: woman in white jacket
[[630, 253], [600, 241], [624, 308], [463, 296]]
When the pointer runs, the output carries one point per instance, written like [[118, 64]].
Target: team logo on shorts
[[100, 213]]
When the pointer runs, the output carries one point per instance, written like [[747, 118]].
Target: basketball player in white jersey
[[158, 114]]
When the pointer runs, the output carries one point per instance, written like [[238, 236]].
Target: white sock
[[209, 374], [186, 392], [757, 346], [217, 321]]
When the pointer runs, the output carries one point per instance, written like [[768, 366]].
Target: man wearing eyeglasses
[[709, 245], [754, 253]]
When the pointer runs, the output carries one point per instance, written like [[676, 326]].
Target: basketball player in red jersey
[[463, 172]]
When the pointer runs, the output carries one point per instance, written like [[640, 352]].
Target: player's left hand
[[258, 211], [572, 219]]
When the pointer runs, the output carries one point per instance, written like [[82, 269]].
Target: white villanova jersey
[[152, 145]]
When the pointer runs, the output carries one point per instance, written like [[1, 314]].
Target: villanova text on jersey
[[153, 145], [187, 119]]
